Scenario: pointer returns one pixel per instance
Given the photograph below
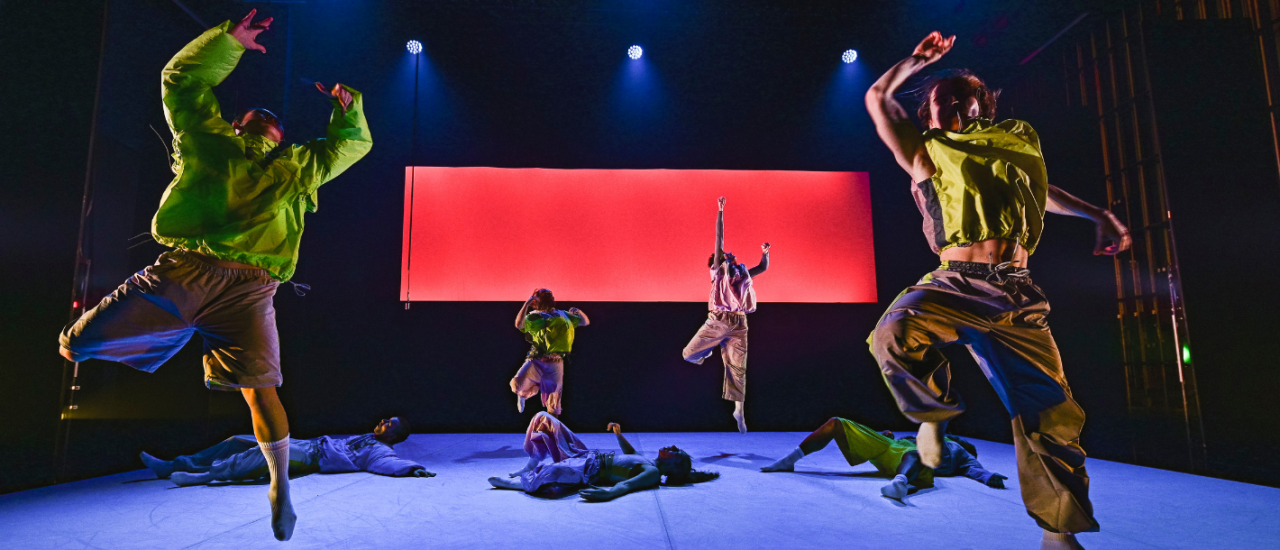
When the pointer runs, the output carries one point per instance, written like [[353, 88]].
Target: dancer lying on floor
[[573, 464], [238, 458], [550, 332], [892, 457]]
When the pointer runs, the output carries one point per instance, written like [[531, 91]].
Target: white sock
[[897, 489], [519, 404], [740, 417], [529, 466], [786, 463], [282, 516], [187, 478]]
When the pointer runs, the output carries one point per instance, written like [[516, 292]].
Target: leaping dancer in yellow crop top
[[982, 189]]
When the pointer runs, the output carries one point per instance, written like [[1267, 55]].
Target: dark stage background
[[722, 85]]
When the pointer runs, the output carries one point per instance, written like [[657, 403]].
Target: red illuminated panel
[[495, 234]]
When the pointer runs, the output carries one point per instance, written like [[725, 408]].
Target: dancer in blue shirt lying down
[[238, 458]]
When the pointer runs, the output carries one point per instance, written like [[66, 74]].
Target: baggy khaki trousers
[[727, 330], [1005, 328]]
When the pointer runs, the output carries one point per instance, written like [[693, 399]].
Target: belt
[[1000, 273]]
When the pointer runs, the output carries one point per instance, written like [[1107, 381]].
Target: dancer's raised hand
[[934, 46], [246, 31], [764, 248], [721, 202], [343, 96]]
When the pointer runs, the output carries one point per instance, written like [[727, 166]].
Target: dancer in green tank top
[[983, 190]]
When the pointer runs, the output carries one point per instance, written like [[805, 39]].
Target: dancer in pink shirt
[[732, 298]]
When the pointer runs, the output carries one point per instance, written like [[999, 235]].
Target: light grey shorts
[[153, 314]]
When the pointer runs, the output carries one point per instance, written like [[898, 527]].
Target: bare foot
[[929, 443], [519, 404], [1059, 541], [506, 484]]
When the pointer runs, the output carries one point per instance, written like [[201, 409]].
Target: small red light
[[75, 305]]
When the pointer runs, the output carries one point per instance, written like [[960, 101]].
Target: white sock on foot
[[529, 466], [162, 468], [282, 516], [897, 489], [786, 463], [740, 417], [187, 478], [519, 404], [929, 443]]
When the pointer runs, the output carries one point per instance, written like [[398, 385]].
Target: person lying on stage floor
[[233, 216], [892, 457], [732, 298], [238, 458], [550, 332], [573, 464]]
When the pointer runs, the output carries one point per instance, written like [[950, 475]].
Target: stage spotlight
[[849, 56], [414, 47], [635, 52]]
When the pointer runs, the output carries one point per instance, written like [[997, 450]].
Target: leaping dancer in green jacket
[[233, 216]]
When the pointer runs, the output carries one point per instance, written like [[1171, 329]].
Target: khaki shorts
[[153, 314]]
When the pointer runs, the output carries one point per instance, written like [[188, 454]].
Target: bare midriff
[[990, 251]]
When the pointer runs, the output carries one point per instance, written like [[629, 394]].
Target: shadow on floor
[[745, 461], [506, 451]]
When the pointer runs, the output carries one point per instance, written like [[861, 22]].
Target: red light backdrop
[[495, 234]]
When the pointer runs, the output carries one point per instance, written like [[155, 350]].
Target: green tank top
[[990, 183]]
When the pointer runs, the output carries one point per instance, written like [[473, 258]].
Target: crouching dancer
[[237, 458], [233, 216], [892, 457], [572, 463]]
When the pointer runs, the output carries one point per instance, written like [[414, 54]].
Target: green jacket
[[226, 200], [550, 332]]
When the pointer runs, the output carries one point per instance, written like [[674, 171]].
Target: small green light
[[1186, 353]]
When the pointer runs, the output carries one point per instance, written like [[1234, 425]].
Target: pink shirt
[[732, 293]]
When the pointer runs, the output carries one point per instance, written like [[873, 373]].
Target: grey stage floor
[[825, 504]]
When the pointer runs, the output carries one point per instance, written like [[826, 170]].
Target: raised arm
[[524, 310], [1111, 236], [891, 120], [622, 441], [581, 317], [187, 80], [346, 140], [719, 257], [764, 262]]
